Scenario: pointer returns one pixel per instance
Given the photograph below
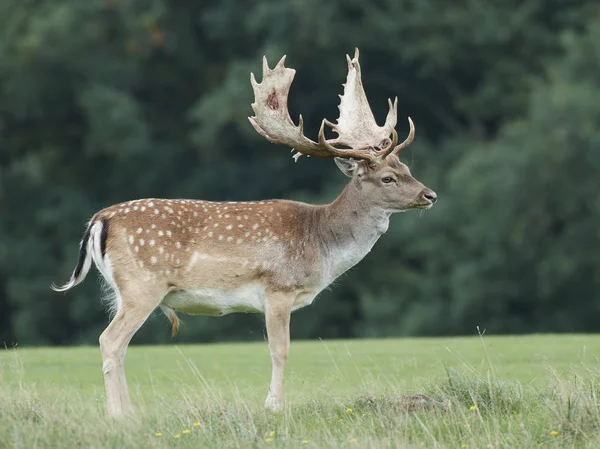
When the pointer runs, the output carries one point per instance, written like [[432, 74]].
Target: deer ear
[[349, 167]]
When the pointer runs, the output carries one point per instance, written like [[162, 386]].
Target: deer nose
[[430, 195]]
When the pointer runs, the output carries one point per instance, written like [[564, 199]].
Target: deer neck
[[348, 229]]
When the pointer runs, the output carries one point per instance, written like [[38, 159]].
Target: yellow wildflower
[[304, 441], [464, 446], [272, 433], [473, 407], [158, 434], [268, 440], [554, 433], [340, 420], [352, 440], [349, 410], [196, 424], [186, 431], [177, 436]]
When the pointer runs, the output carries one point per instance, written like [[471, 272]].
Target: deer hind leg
[[137, 302], [278, 311]]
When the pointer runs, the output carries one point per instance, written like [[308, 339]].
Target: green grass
[[522, 389]]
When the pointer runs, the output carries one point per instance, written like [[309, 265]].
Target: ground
[[496, 392]]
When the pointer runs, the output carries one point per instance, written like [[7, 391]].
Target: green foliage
[[104, 101]]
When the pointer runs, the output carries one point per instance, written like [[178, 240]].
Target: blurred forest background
[[103, 101]]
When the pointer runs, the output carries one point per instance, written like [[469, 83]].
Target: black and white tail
[[91, 248]]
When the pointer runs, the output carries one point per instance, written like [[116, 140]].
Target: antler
[[395, 149], [356, 126]]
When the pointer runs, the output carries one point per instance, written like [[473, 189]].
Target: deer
[[270, 257]]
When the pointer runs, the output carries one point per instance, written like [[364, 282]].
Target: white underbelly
[[215, 302]]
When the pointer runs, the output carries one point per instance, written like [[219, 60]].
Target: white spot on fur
[[139, 231], [153, 260], [131, 239]]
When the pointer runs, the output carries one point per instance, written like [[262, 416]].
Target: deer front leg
[[278, 310]]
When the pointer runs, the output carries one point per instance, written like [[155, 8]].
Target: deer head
[[363, 151]]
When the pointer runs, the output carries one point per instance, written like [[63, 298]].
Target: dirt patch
[[409, 403]]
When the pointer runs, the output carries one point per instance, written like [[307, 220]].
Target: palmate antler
[[356, 126]]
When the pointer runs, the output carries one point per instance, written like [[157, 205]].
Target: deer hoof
[[274, 404]]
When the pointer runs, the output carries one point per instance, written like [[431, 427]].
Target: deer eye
[[387, 179]]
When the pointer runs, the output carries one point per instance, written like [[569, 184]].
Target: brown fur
[[160, 246]]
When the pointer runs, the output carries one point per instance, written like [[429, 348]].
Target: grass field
[[496, 392]]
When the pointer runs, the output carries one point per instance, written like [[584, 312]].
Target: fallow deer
[[270, 257]]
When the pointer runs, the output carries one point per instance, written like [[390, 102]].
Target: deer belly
[[215, 302]]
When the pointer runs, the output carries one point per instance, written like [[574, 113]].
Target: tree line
[[106, 101]]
